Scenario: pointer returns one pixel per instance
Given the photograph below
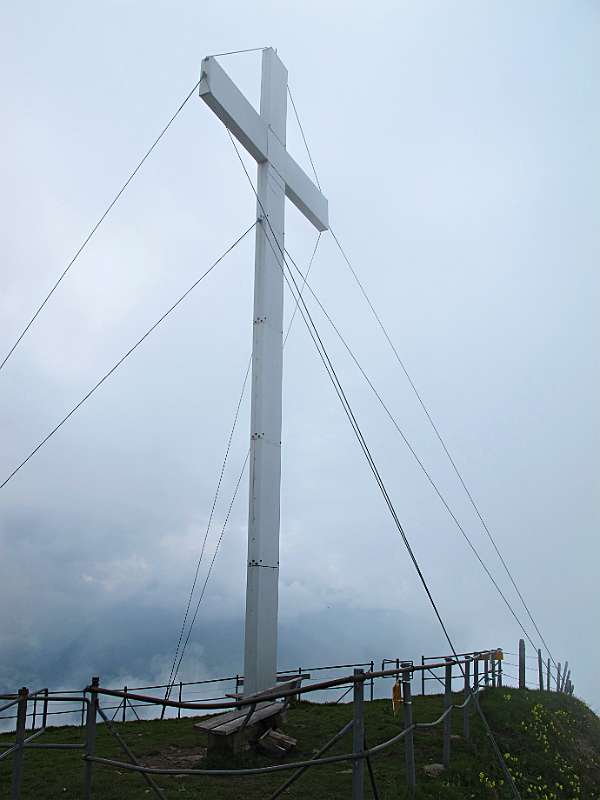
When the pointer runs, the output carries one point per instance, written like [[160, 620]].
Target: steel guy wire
[[310, 158], [98, 223], [322, 352], [235, 52], [442, 441], [209, 523], [124, 357], [304, 277], [289, 328], [362, 442], [421, 401], [414, 454], [212, 563]]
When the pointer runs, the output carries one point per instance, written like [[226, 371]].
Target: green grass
[[551, 742]]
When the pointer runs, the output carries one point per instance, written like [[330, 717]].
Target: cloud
[[461, 169]]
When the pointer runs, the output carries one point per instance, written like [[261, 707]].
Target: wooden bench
[[231, 731]]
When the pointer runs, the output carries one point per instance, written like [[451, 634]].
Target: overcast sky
[[457, 143]]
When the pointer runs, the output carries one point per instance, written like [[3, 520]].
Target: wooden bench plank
[[291, 684], [260, 715], [223, 724], [218, 719]]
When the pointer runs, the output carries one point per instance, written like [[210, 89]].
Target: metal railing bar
[[334, 739], [371, 773], [56, 746], [273, 768], [132, 707], [348, 690], [117, 709], [435, 677], [321, 669], [10, 750], [389, 742], [33, 736], [231, 772], [157, 790], [271, 694], [225, 772], [470, 697], [438, 720], [482, 653], [506, 653], [13, 697], [8, 705], [55, 713]]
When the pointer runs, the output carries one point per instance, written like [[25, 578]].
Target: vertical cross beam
[[279, 176], [260, 656]]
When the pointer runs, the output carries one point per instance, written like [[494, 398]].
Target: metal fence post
[[358, 737], [83, 710], [34, 712], [540, 670], [423, 676], [548, 675], [486, 670], [90, 738], [558, 677], [124, 702], [493, 671], [500, 673], [476, 672], [409, 749], [180, 695], [467, 708], [448, 717], [45, 709], [17, 769], [371, 689], [521, 663]]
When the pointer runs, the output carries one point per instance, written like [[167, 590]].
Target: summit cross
[[263, 135]]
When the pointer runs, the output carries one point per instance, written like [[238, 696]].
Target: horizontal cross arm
[[221, 94], [298, 186]]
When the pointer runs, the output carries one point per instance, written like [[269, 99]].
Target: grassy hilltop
[[550, 741]]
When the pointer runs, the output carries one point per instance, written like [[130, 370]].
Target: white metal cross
[[263, 136]]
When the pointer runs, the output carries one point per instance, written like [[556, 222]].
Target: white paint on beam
[[263, 136], [254, 133]]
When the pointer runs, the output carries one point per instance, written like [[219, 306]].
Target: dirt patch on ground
[[176, 757]]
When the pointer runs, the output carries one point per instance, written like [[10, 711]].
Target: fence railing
[[477, 671], [71, 710]]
